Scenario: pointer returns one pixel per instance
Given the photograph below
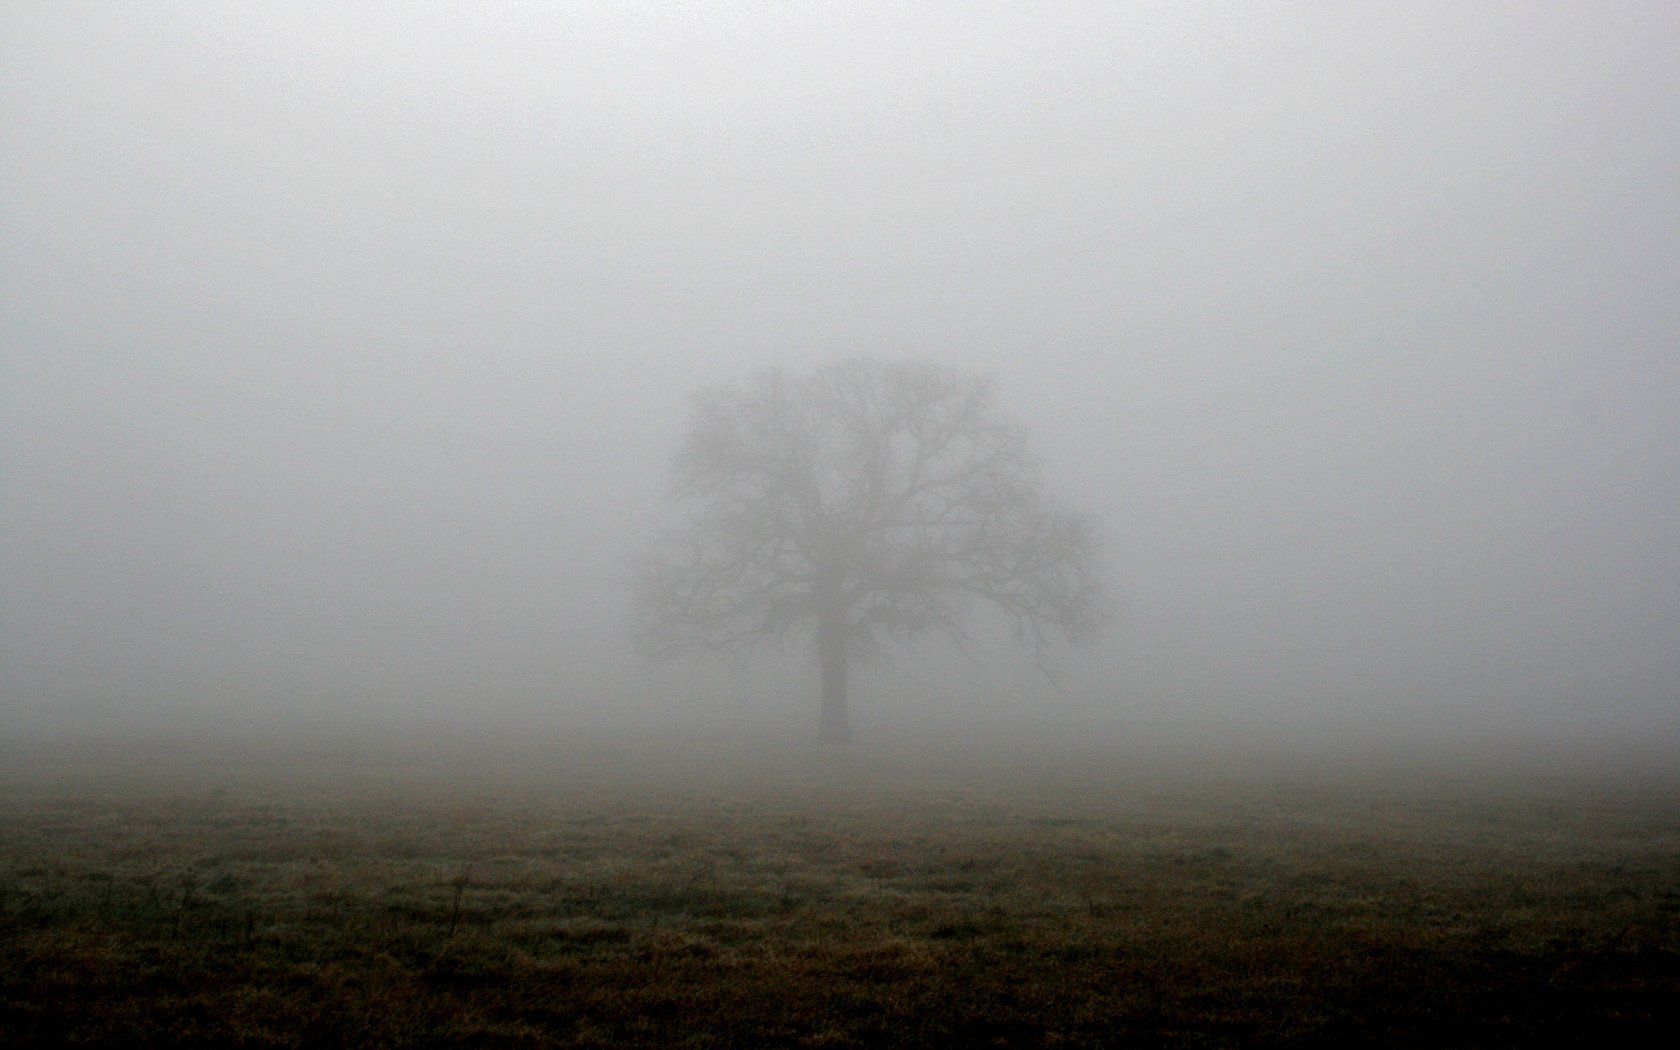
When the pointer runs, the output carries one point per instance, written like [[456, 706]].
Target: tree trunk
[[831, 658]]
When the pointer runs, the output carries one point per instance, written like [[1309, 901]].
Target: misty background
[[342, 351]]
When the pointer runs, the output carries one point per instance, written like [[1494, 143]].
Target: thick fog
[[345, 348]]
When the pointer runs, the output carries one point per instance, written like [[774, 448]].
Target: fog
[[345, 351]]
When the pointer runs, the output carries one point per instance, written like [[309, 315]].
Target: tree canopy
[[865, 503]]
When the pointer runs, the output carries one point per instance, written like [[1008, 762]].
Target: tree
[[868, 502]]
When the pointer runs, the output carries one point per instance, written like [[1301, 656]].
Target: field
[[622, 892]]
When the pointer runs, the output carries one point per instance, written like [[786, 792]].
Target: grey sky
[[343, 350]]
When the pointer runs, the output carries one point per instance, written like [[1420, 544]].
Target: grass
[[636, 896]]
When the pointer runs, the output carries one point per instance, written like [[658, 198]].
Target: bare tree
[[866, 503]]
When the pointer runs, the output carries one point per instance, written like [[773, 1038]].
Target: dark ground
[[620, 893]]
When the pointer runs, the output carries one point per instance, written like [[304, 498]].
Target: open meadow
[[623, 892]]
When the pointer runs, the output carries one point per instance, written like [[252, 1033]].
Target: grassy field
[[622, 893]]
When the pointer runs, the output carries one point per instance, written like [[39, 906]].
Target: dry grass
[[718, 897]]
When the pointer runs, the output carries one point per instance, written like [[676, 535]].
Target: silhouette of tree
[[865, 503]]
